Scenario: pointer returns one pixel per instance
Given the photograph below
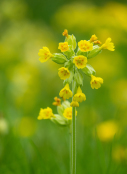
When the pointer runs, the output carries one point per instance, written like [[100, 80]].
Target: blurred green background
[[30, 146]]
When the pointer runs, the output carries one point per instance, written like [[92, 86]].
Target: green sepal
[[60, 120], [94, 52], [59, 58], [79, 52], [71, 39], [78, 77], [68, 64], [69, 53], [89, 70]]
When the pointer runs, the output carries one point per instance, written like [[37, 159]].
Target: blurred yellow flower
[[65, 33], [65, 93], [63, 46], [63, 73], [108, 45], [93, 38], [97, 42], [107, 130], [44, 54], [74, 104], [80, 61], [79, 96], [85, 45], [119, 154], [96, 82], [57, 101], [45, 114]]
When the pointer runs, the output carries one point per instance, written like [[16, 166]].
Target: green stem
[[73, 143]]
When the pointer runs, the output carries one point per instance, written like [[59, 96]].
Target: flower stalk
[[72, 72]]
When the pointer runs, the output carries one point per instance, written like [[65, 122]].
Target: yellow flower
[[93, 38], [44, 54], [107, 130], [85, 45], [96, 82], [65, 33], [57, 101], [68, 113], [63, 73], [45, 114], [108, 45], [65, 93], [63, 46], [79, 96], [80, 61], [74, 104]]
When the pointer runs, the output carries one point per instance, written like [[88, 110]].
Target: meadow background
[[30, 146]]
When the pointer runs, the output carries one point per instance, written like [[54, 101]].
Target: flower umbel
[[63, 73], [44, 54], [79, 96], [65, 93], [45, 114], [85, 45], [96, 82], [80, 61], [57, 101], [108, 45], [63, 46]]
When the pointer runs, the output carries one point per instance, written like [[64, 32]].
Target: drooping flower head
[[63, 46], [80, 61], [45, 113], [74, 104], [44, 54], [93, 38], [79, 96], [96, 82], [57, 101], [63, 73], [65, 33], [65, 93], [85, 45], [108, 45]]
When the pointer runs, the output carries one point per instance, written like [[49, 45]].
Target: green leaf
[[78, 77], [89, 70]]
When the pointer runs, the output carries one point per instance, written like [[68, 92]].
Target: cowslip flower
[[80, 61], [44, 54], [108, 45], [85, 45], [68, 113], [45, 113], [65, 33], [63, 46], [65, 93], [74, 104], [63, 73], [93, 38], [57, 101], [96, 82], [97, 42], [79, 96]]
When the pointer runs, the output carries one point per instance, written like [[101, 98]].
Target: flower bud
[[59, 58], [71, 41], [60, 120], [94, 52]]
